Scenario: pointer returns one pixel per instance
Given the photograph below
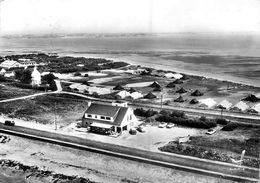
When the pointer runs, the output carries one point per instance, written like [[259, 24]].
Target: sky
[[129, 16]]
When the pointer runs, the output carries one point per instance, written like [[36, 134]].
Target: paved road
[[180, 162]]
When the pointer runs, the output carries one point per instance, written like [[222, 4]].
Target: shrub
[[77, 74], [145, 113], [222, 121], [230, 127]]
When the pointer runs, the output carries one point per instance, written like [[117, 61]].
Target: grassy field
[[8, 91], [223, 145], [43, 109]]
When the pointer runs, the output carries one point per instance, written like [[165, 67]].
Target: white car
[[162, 125], [170, 125], [210, 131]]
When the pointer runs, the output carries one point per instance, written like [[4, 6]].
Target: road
[[255, 119], [180, 162]]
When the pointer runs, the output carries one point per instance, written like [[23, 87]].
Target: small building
[[8, 64], [208, 102], [9, 74], [26, 62], [36, 77], [224, 104], [108, 119], [3, 71], [240, 106]]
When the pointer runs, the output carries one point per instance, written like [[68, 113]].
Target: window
[[89, 116], [130, 117], [102, 117], [95, 116], [108, 118]]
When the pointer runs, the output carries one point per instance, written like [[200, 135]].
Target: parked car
[[132, 132], [9, 123], [140, 129], [210, 131], [162, 125], [170, 125]]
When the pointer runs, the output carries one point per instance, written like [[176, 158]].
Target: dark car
[[140, 129], [132, 132], [9, 123]]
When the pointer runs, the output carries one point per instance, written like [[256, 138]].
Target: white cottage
[[107, 119]]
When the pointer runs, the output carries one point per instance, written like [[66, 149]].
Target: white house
[[224, 104], [171, 75], [7, 64], [26, 62], [3, 71], [36, 77], [123, 94], [208, 102], [107, 119], [240, 106], [9, 74]]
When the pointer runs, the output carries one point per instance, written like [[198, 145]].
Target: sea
[[232, 57]]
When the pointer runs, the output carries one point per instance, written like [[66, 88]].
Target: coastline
[[167, 67]]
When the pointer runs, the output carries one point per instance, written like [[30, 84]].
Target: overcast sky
[[127, 16]]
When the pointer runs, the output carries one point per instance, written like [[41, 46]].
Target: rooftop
[[103, 110]]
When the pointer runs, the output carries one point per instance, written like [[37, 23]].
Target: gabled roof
[[241, 106], [118, 119], [9, 63], [224, 104], [103, 110]]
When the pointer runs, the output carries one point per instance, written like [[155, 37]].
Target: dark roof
[[177, 81], [155, 84], [194, 101], [150, 95], [132, 90], [118, 87], [179, 99], [182, 90], [102, 109], [196, 93], [117, 122]]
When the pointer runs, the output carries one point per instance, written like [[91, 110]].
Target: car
[[170, 125], [132, 132], [162, 125], [9, 123], [140, 129], [210, 131]]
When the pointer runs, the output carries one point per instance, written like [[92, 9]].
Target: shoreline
[[165, 68]]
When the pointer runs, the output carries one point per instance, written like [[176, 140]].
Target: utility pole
[[161, 100], [55, 117]]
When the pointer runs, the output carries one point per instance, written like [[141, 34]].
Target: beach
[[228, 57]]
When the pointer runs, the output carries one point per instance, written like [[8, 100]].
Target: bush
[[77, 74], [187, 122], [222, 121], [230, 127], [145, 113]]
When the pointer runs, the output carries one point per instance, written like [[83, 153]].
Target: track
[[180, 162]]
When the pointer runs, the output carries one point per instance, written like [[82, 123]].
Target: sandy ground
[[94, 166], [153, 138], [140, 84]]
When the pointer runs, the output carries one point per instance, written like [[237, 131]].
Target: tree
[[49, 78], [26, 77], [18, 74]]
